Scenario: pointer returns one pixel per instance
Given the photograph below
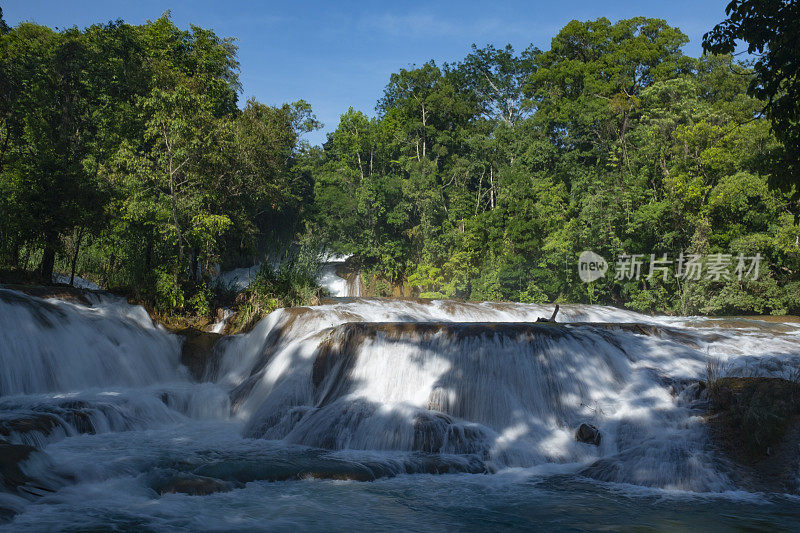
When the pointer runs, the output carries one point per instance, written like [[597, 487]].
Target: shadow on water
[[506, 394]]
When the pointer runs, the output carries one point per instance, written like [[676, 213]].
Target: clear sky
[[340, 54]]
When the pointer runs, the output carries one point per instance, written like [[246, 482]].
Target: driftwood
[[552, 317]]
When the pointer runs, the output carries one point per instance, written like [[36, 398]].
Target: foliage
[[769, 27], [485, 178], [168, 293], [123, 153], [292, 283]]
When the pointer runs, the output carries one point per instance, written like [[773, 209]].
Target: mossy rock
[[753, 414], [755, 422]]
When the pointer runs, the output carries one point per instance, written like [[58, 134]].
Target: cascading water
[[62, 346], [339, 284], [364, 390]]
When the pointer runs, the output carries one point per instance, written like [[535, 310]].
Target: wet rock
[[754, 423], [61, 292], [30, 427], [438, 464], [311, 464], [430, 430], [43, 423], [18, 485], [589, 434], [80, 420], [753, 413], [11, 455], [197, 348], [339, 474], [193, 485]]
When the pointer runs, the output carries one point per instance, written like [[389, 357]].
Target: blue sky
[[340, 54]]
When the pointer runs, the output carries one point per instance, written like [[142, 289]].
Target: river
[[377, 414]]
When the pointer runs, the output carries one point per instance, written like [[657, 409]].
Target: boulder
[[589, 434]]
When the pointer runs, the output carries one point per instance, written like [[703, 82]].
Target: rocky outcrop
[[755, 423], [61, 292], [11, 455], [70, 416], [17, 481]]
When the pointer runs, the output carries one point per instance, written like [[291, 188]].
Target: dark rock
[[754, 423], [11, 455], [44, 423], [20, 484], [589, 434], [24, 426], [197, 348], [193, 485]]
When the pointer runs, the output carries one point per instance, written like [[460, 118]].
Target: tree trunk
[[175, 219], [194, 262], [148, 252], [173, 197], [47, 264], [491, 187], [75, 256]]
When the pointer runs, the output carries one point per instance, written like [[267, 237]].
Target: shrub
[[293, 283], [168, 294], [200, 301]]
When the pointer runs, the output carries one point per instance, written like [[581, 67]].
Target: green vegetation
[[125, 157], [769, 27], [484, 179], [293, 283]]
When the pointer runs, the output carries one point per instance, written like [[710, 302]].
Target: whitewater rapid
[[359, 389]]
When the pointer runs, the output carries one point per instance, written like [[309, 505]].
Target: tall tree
[[770, 29]]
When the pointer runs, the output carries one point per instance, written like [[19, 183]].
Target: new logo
[[591, 266]]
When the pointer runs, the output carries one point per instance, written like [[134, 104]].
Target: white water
[[328, 279], [359, 388], [337, 286], [77, 281], [511, 395], [219, 326], [61, 346], [238, 278]]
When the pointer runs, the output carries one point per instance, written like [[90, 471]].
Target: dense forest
[[126, 156]]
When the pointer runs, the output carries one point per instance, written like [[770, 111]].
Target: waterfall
[[60, 346], [94, 395], [339, 282], [95, 366], [485, 379], [222, 321], [511, 393]]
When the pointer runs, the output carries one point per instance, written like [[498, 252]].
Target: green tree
[[769, 27]]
